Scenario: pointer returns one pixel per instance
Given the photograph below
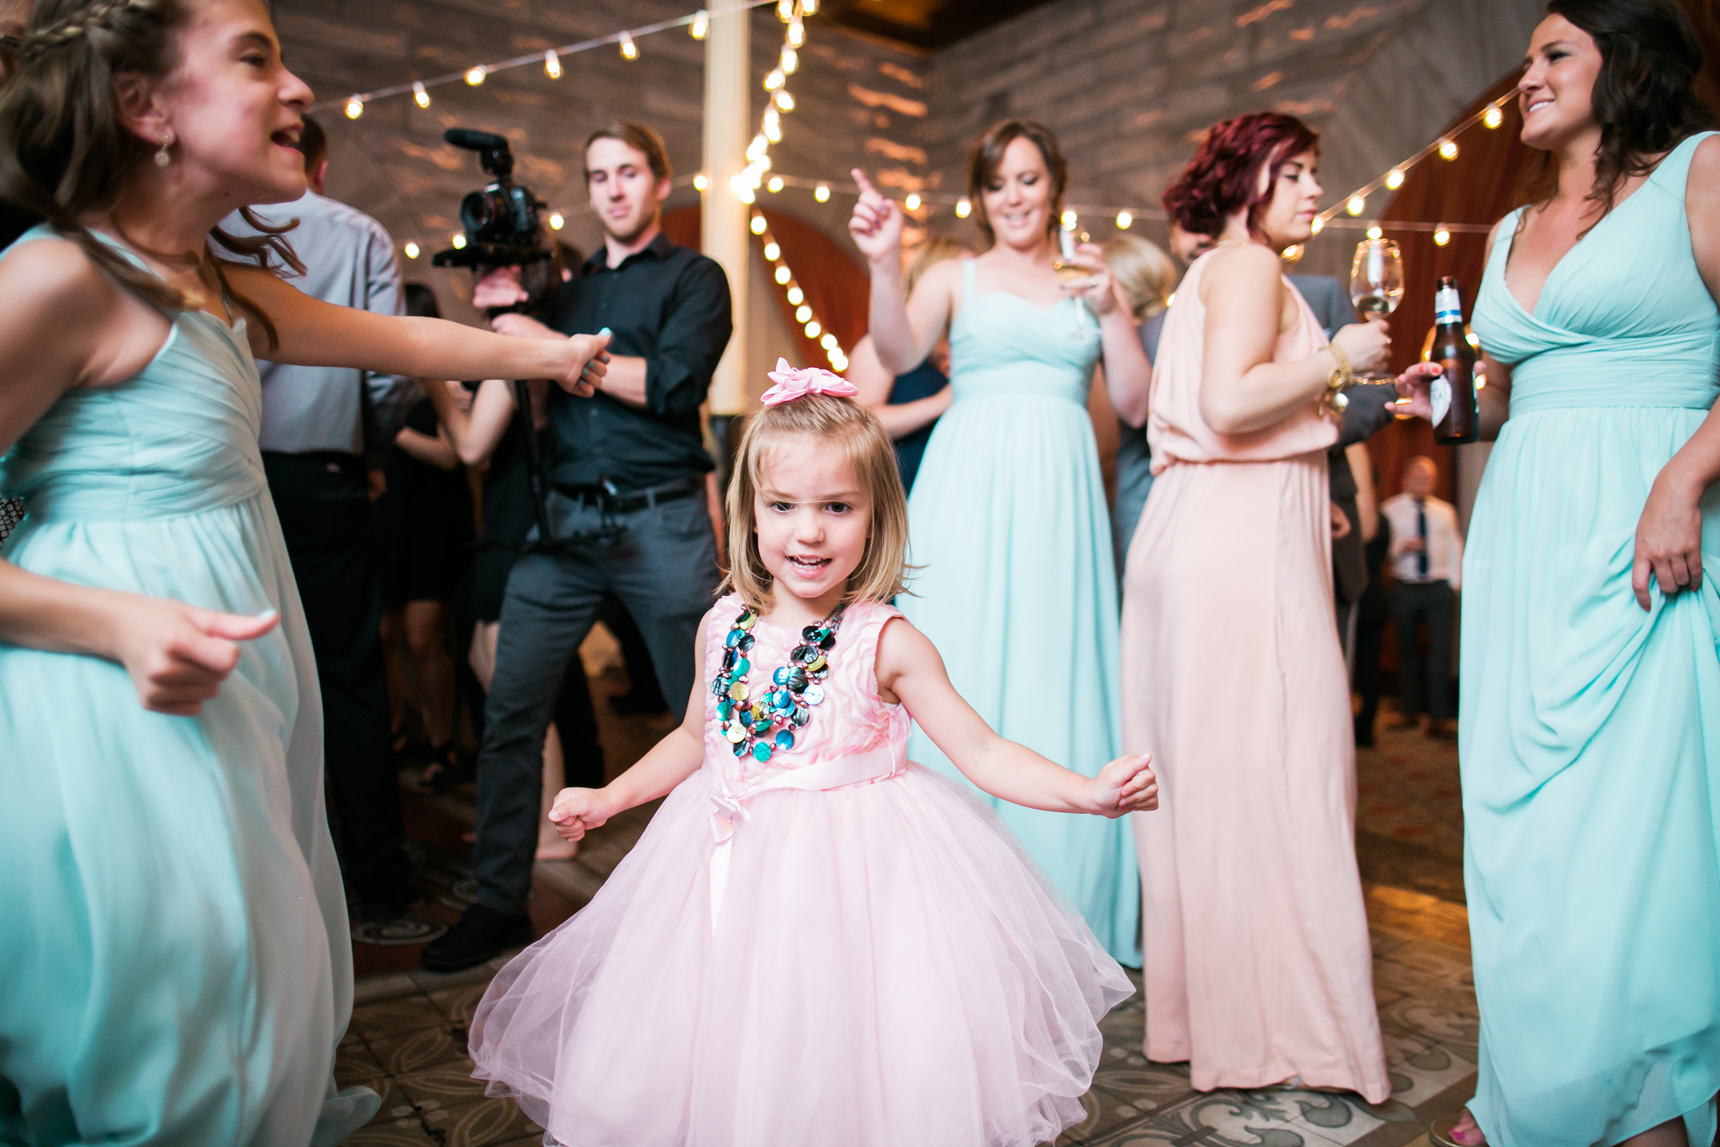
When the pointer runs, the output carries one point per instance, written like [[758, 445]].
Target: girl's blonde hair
[[1144, 271], [853, 429]]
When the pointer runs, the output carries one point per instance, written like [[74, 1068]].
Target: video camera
[[501, 221]]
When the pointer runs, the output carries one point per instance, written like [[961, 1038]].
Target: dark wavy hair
[[1645, 95], [1224, 175], [987, 156], [64, 154]]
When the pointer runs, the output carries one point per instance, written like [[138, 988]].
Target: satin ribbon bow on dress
[[861, 768], [794, 382]]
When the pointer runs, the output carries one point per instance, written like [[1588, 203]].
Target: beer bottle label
[[1439, 394], [1447, 307]]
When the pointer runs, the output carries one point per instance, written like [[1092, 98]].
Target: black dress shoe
[[481, 934]]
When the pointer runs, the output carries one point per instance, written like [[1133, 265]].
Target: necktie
[[1421, 532]]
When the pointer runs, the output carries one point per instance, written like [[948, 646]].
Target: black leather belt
[[616, 502]]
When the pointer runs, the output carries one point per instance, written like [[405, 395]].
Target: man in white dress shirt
[[1426, 560]]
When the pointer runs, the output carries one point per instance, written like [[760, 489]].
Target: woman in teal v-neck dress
[[1008, 520], [1590, 714], [174, 963]]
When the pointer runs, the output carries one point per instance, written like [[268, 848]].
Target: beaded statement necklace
[[761, 725]]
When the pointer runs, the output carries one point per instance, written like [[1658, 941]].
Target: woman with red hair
[[1258, 968]]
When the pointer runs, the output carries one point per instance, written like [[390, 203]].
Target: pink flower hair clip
[[798, 382]]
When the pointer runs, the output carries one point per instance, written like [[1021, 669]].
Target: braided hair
[[64, 153]]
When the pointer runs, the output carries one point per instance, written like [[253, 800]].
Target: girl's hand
[[1098, 288], [1668, 540], [1369, 345], [1414, 385], [587, 356], [1125, 785], [876, 224], [578, 811], [176, 654]]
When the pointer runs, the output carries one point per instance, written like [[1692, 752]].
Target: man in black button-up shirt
[[626, 506]]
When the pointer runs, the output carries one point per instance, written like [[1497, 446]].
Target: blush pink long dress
[[1258, 964]]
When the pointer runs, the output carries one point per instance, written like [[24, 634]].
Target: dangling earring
[[164, 156]]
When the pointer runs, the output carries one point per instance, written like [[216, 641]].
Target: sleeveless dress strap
[[967, 281], [1673, 173]]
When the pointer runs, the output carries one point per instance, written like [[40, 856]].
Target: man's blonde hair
[[846, 426]]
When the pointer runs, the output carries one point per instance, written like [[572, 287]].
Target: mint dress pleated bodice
[[1590, 729], [174, 961], [1018, 587]]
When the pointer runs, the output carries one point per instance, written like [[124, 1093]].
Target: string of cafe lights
[[803, 312], [1344, 216], [698, 25]]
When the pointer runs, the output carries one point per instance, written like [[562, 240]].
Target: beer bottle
[[1456, 416]]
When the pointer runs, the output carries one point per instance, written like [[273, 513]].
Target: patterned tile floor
[[408, 1030]]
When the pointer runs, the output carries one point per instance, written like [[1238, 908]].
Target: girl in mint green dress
[[1590, 712], [174, 963]]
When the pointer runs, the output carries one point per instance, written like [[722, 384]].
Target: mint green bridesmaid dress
[[174, 961], [1589, 729], [1018, 585]]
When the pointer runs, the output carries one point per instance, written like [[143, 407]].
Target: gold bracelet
[[1334, 400]]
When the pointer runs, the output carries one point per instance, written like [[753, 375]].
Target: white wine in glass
[[1064, 264], [1376, 284]]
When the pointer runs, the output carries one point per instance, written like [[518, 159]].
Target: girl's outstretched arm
[[909, 669], [670, 761]]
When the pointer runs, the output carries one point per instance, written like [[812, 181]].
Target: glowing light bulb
[[477, 75], [1291, 254], [1394, 178], [784, 100], [701, 181], [796, 296], [1493, 117], [1441, 237], [809, 7], [1356, 205], [963, 208], [783, 275], [775, 184], [773, 130], [419, 95], [1375, 233], [412, 251], [757, 224], [828, 342], [912, 202], [796, 33], [701, 25], [746, 195], [354, 107], [757, 148], [774, 80], [772, 252], [790, 61], [629, 50], [785, 10], [556, 222], [1124, 220], [552, 65], [1069, 220], [803, 314], [822, 193], [1448, 149], [812, 329], [1319, 224], [459, 241]]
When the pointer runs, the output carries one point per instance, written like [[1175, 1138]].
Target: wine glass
[[1376, 283], [1067, 270]]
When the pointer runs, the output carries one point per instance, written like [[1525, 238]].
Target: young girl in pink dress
[[815, 941]]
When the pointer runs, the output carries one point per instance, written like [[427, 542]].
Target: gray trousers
[[663, 567], [1431, 604]]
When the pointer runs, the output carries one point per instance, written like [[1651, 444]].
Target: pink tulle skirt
[[888, 968]]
